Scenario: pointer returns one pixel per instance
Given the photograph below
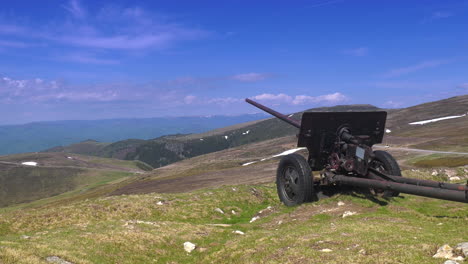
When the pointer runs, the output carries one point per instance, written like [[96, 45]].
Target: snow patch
[[201, 139], [69, 158], [29, 163], [287, 152], [238, 232], [226, 137], [388, 130], [284, 153], [248, 163], [435, 120], [246, 132], [255, 218]]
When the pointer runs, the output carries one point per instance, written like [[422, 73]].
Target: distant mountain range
[[38, 136], [447, 135]]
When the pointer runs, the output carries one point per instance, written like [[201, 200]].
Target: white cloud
[[224, 100], [250, 77], [273, 97], [189, 99], [393, 104], [105, 96], [301, 99], [75, 9], [39, 91], [110, 28]]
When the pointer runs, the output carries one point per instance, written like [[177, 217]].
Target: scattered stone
[[57, 260], [464, 248], [25, 237], [255, 218], [234, 189], [450, 172], [454, 178], [233, 212], [266, 209], [444, 251], [219, 210], [362, 251], [439, 224], [326, 250], [221, 225], [280, 222], [450, 262], [189, 246], [130, 223], [238, 232], [159, 203], [434, 173], [348, 213], [340, 203]]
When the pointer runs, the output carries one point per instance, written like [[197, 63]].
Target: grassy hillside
[[87, 147], [152, 228], [400, 118], [447, 135], [57, 174]]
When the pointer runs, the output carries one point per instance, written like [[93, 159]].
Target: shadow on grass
[[328, 191]]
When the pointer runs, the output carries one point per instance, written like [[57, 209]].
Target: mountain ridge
[[167, 149]]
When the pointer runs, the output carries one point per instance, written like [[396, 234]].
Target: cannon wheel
[[294, 180], [384, 162]]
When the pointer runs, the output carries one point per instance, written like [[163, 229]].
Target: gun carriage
[[340, 146]]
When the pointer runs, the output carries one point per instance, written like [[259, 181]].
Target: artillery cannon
[[340, 146]]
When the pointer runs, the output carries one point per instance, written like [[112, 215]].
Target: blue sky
[[63, 60]]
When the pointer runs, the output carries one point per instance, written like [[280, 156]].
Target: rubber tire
[[390, 166], [304, 180]]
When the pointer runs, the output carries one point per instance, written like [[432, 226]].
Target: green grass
[[439, 160], [135, 229], [133, 164], [42, 185]]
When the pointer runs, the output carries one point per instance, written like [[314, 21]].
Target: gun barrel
[[285, 118]]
